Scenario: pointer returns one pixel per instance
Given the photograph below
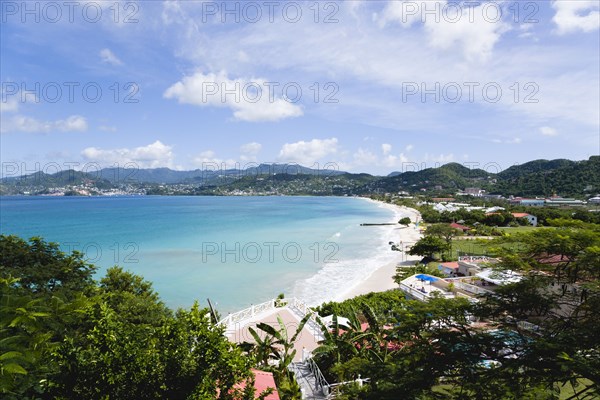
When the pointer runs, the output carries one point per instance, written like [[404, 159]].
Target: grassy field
[[519, 229], [474, 247]]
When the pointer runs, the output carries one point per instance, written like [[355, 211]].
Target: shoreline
[[382, 278]]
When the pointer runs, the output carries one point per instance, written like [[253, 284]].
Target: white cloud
[[10, 105], [107, 56], [364, 157], [107, 128], [250, 99], [477, 36], [548, 131], [306, 153], [441, 158], [394, 160], [250, 151], [153, 155], [22, 123], [74, 123], [508, 141], [11, 101], [409, 147], [209, 157], [475, 28], [405, 12], [369, 62], [579, 15], [251, 148]]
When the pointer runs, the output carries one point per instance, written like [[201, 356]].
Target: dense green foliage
[[433, 350], [64, 336], [543, 177], [404, 221], [428, 246]]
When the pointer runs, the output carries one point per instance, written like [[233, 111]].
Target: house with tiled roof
[[531, 218], [460, 227], [449, 268]]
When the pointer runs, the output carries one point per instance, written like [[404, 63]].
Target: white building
[[531, 218]]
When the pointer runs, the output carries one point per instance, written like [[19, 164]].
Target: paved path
[[305, 340], [307, 381]]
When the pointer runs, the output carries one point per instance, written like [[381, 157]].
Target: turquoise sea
[[236, 251]]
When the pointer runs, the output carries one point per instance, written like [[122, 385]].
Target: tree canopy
[[65, 336], [531, 339]]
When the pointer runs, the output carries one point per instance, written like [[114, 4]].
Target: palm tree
[[262, 349], [379, 345], [277, 344], [341, 343]]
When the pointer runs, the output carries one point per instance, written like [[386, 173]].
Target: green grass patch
[[473, 247], [518, 229], [477, 247]]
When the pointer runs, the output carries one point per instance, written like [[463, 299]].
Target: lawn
[[474, 247], [518, 229]]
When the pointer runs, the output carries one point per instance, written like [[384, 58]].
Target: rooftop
[[459, 226], [451, 264], [263, 381], [499, 277], [520, 215], [423, 286]]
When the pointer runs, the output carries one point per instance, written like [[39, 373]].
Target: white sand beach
[[382, 278]]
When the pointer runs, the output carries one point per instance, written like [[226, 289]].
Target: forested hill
[[551, 176], [579, 179]]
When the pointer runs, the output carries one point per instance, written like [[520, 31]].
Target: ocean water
[[236, 251]]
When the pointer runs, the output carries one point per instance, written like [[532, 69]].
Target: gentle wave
[[334, 279]]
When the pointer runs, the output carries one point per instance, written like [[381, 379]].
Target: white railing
[[467, 287], [424, 296], [414, 292], [299, 305], [247, 313]]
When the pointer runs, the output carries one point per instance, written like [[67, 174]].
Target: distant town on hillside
[[539, 182]]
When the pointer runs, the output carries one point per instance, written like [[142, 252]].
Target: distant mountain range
[[207, 176], [534, 178]]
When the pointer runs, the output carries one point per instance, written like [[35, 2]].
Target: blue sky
[[371, 86]]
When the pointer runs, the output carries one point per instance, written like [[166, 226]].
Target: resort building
[[527, 202], [561, 202], [423, 286], [551, 202], [472, 265], [475, 192]]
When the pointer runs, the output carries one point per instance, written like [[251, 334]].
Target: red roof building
[[520, 215], [460, 227], [449, 268]]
